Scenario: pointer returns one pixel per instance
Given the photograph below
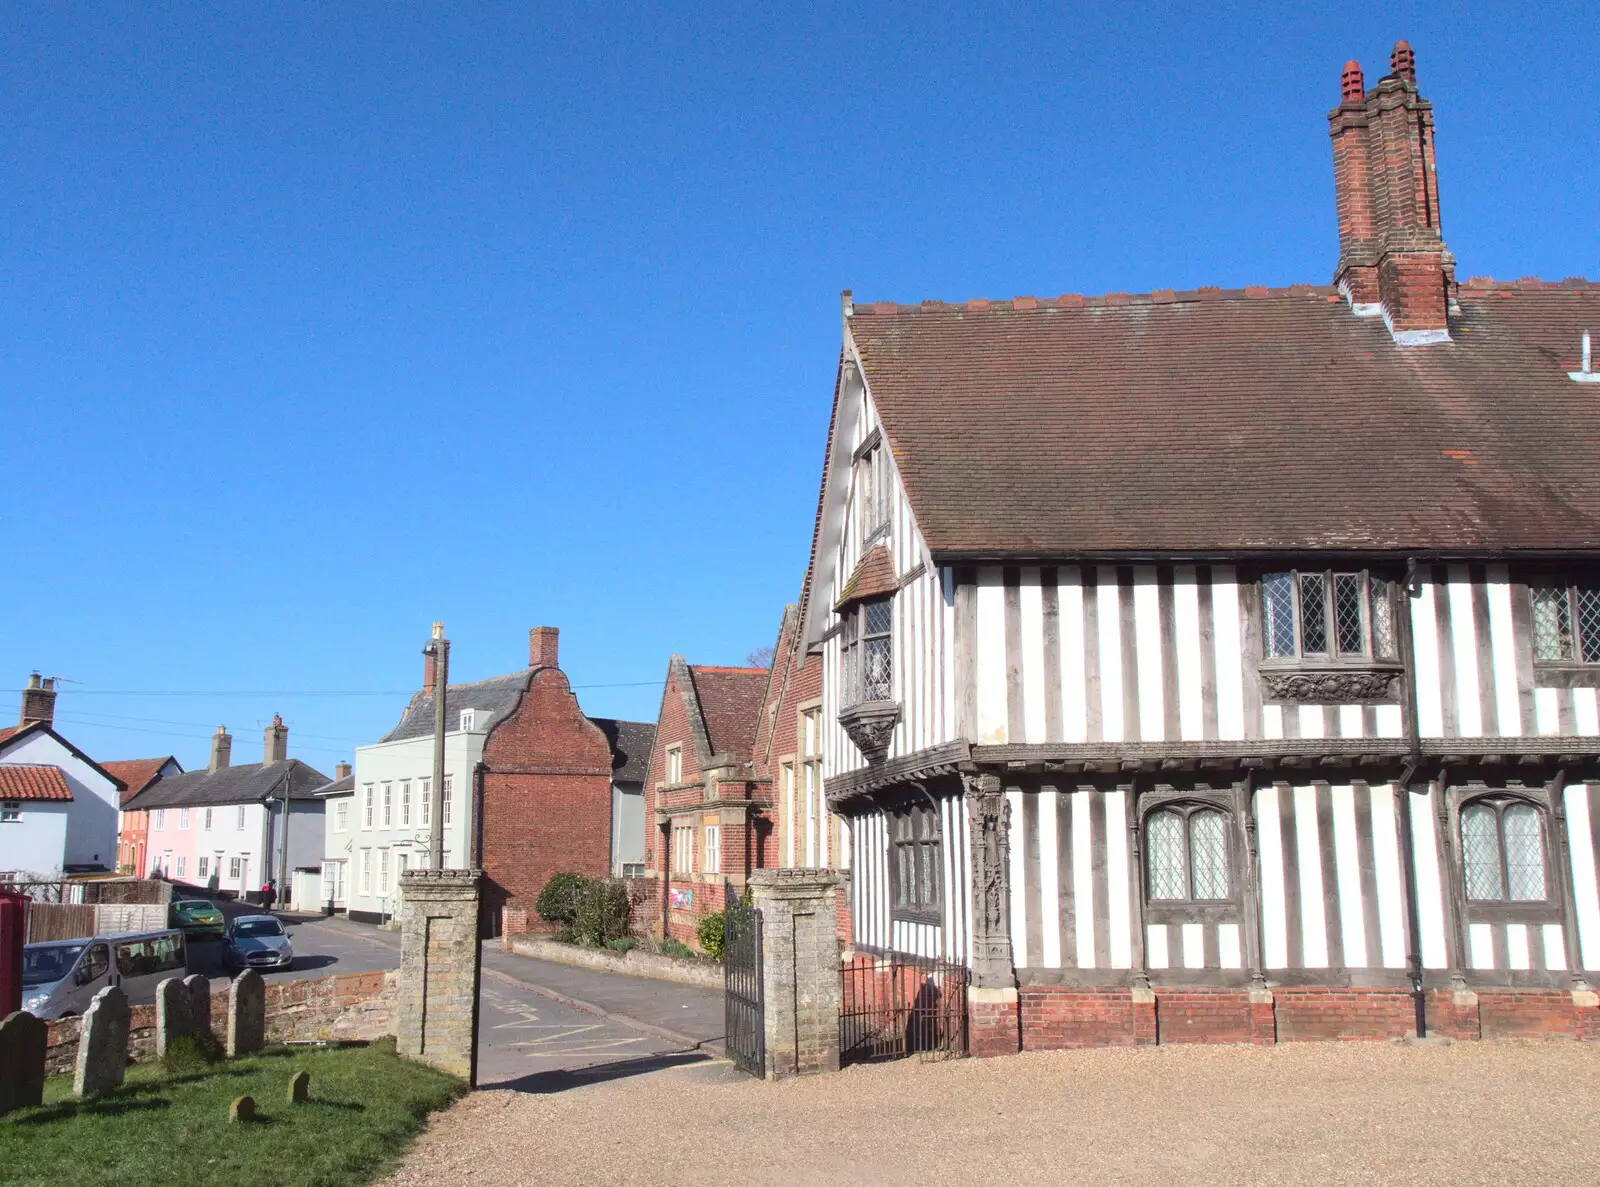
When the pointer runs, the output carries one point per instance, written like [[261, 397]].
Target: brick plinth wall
[[993, 1022], [349, 1007], [1054, 1017]]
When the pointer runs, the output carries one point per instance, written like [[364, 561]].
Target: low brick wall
[[632, 964], [349, 1006], [1058, 1016]]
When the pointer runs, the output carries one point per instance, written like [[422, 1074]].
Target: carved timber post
[[989, 817]]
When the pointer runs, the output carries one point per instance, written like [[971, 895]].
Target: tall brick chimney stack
[[1392, 260], [221, 749], [275, 741], [39, 700], [544, 647], [341, 770]]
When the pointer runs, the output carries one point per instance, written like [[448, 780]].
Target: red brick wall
[[672, 728], [1057, 1016], [546, 796]]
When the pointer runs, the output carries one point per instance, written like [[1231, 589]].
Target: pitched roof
[[344, 786], [492, 700], [1241, 420], [630, 747], [31, 781], [136, 772], [250, 783], [730, 702], [874, 575]]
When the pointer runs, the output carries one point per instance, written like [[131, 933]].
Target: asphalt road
[[319, 951]]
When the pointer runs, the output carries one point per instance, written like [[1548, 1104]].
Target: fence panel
[[893, 1006]]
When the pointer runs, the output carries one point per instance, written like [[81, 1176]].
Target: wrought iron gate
[[894, 1005], [745, 1021]]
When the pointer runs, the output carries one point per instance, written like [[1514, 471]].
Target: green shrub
[[709, 931], [558, 901], [671, 947], [191, 1053], [625, 944], [602, 912]]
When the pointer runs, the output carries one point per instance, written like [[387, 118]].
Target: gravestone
[[22, 1046], [172, 1014], [242, 1109], [300, 1088], [198, 987], [247, 1014], [103, 1043]]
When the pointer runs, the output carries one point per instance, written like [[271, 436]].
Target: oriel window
[[868, 654], [1327, 614]]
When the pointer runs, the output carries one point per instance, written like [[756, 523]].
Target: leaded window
[[1502, 851], [1566, 623], [1327, 614], [868, 655], [914, 862], [1186, 854]]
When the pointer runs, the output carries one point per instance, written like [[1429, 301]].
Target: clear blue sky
[[321, 322]]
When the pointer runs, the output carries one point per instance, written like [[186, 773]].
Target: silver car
[[257, 942]]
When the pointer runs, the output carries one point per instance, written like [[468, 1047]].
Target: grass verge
[[162, 1127]]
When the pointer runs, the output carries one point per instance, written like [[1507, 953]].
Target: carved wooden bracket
[[870, 726]]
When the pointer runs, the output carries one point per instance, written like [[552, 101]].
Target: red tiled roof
[[136, 773], [1240, 420], [8, 731], [28, 781], [730, 701], [874, 575]]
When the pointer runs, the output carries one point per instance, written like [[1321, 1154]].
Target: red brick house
[[707, 801], [547, 783]]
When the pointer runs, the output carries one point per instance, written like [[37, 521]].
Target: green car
[[198, 919]]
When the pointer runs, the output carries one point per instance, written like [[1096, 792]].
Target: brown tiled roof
[[730, 701], [874, 575], [136, 773], [27, 781], [1241, 420]]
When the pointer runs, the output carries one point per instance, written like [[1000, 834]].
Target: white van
[[61, 977]]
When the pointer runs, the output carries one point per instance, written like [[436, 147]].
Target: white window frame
[[366, 871], [674, 764], [341, 817], [183, 819], [11, 812], [383, 870], [789, 813], [235, 868], [449, 799], [405, 803], [426, 815], [240, 823], [387, 802], [202, 867], [683, 849], [206, 820], [713, 849], [469, 719], [158, 820], [183, 864], [366, 807]]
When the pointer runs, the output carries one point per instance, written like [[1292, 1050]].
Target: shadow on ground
[[543, 1083]]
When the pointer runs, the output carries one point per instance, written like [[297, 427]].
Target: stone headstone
[[198, 987], [22, 1048], [242, 1109], [300, 1088], [172, 1014], [247, 1014], [103, 1043]]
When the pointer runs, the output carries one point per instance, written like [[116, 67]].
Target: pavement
[[545, 1027]]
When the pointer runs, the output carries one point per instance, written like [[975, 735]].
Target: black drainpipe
[[1419, 997]]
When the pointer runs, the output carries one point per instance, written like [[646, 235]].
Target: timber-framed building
[[1223, 665]]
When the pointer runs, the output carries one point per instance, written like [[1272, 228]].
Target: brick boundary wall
[[1054, 1017], [346, 1006]]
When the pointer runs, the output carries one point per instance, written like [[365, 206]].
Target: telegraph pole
[[439, 648]]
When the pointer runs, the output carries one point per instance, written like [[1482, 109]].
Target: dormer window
[[872, 486], [469, 718], [1327, 615]]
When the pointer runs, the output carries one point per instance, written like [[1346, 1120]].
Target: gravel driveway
[[1468, 1113]]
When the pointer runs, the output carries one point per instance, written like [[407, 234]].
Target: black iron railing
[[894, 1006], [741, 965]]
